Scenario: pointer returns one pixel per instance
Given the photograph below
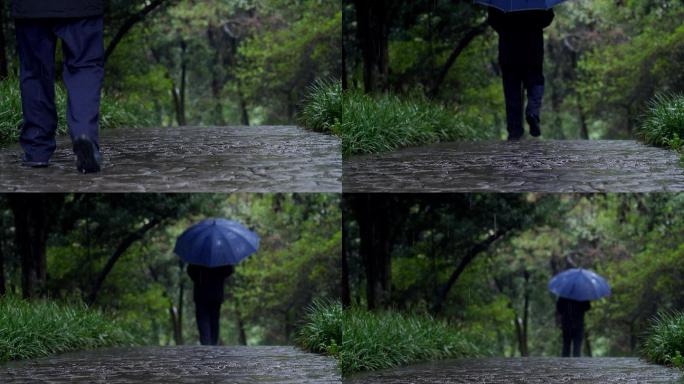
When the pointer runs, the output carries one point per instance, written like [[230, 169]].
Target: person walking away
[[571, 313], [521, 58], [208, 294], [79, 25]]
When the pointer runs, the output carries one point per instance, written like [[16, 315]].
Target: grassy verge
[[372, 341], [373, 124], [30, 329], [113, 113], [663, 122], [664, 342]]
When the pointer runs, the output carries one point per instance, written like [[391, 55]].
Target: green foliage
[[30, 329], [663, 123], [322, 330], [114, 113], [322, 109], [373, 124], [664, 342], [377, 340]]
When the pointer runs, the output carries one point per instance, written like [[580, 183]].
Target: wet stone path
[[525, 166], [177, 365], [527, 370], [189, 159]]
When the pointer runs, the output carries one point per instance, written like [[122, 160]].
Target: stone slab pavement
[[188, 364], [524, 166], [189, 159], [526, 370]]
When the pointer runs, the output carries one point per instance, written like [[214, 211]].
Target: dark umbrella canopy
[[216, 242], [580, 285], [520, 5]]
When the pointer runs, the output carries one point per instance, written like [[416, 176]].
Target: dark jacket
[[521, 37], [572, 312], [209, 282], [60, 9]]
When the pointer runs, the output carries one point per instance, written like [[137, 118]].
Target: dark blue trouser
[[572, 335], [83, 51], [516, 81], [207, 315]]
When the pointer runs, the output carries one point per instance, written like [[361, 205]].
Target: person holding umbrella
[[520, 25], [212, 248], [575, 288]]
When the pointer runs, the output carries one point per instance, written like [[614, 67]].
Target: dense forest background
[[115, 253], [605, 60], [482, 263], [210, 62]]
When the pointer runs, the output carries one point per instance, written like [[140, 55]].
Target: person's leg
[[566, 342], [36, 48], [83, 47], [513, 93], [214, 322], [202, 315], [534, 84], [577, 337]]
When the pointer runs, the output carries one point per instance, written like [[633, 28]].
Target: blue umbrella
[[519, 5], [216, 242], [579, 284]]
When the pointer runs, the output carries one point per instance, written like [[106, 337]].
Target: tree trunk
[[175, 325], [242, 335], [244, 113], [2, 267], [372, 19], [375, 249], [120, 250], [3, 48], [31, 229], [587, 345], [345, 81], [129, 24], [346, 288], [470, 255], [524, 351], [584, 129]]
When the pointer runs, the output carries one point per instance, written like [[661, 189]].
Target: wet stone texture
[[177, 365], [527, 370], [525, 166], [189, 159]]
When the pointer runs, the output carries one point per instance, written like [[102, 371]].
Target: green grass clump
[[114, 113], [374, 124], [367, 341], [322, 110], [388, 339], [322, 331], [30, 329], [663, 122], [664, 343], [380, 123]]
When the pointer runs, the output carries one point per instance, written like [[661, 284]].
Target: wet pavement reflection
[[525, 370], [190, 159], [189, 364], [525, 166]]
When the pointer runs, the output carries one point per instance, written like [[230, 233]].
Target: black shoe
[[88, 157], [535, 125]]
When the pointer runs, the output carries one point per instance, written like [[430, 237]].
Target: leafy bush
[[366, 341], [663, 122], [322, 332], [374, 124], [664, 342], [30, 329], [322, 110], [114, 113]]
